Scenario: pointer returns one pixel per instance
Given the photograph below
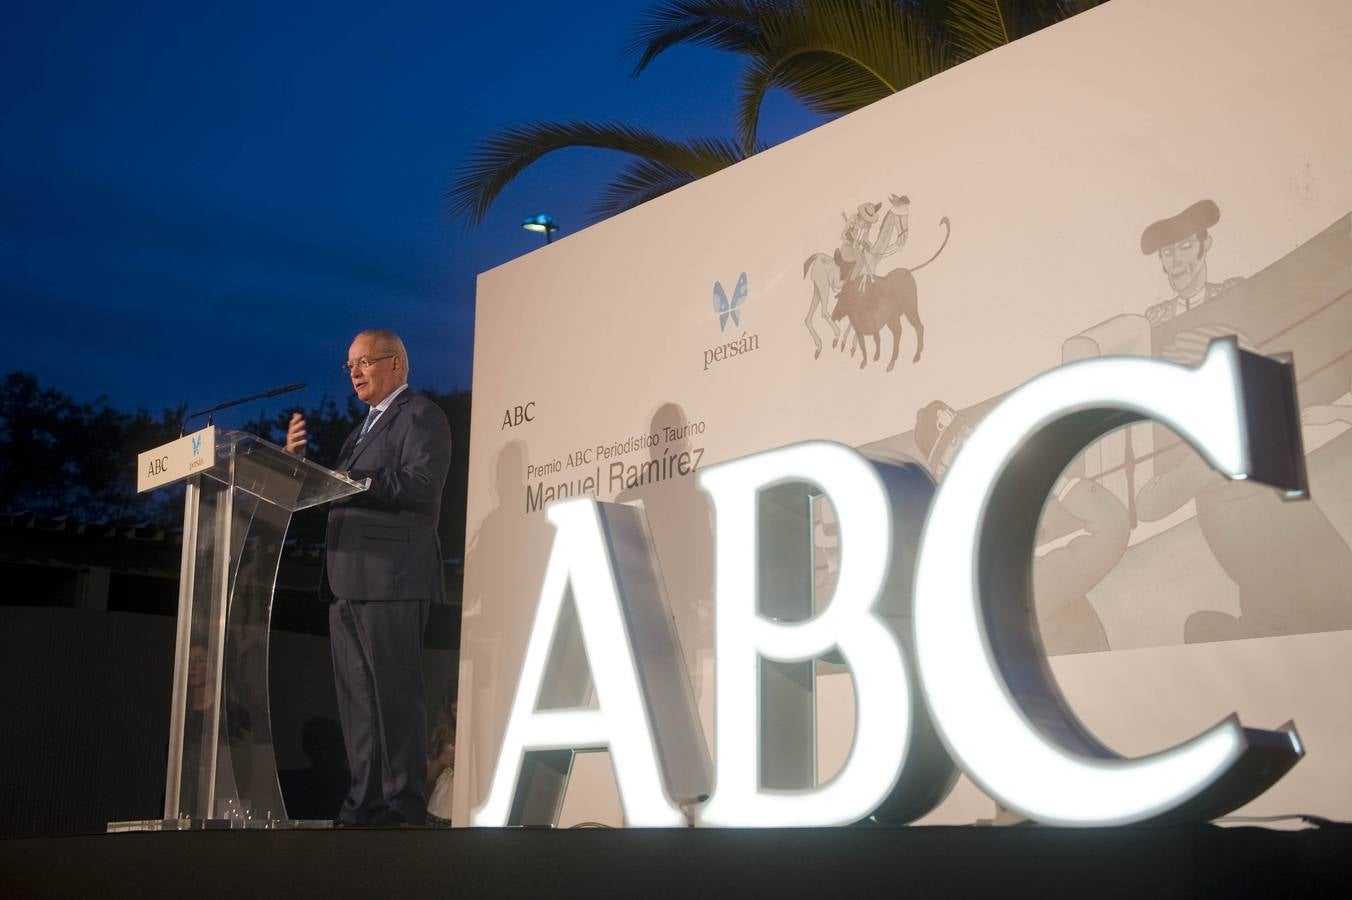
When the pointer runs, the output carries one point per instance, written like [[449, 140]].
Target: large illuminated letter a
[[645, 713], [982, 668], [852, 624]]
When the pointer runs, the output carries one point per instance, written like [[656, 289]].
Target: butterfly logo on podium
[[730, 309]]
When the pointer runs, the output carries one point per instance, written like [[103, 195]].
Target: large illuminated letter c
[[983, 672]]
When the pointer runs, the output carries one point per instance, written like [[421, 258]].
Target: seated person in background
[[441, 770]]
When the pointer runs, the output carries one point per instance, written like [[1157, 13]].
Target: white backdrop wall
[[1167, 601]]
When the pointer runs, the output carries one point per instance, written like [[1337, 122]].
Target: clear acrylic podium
[[222, 772]]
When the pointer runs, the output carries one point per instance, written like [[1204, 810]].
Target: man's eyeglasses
[[365, 363]]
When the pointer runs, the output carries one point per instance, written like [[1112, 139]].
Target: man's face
[[1184, 264], [377, 382]]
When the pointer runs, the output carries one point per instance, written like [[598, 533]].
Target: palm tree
[[833, 56]]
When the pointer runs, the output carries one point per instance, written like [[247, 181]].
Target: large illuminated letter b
[[852, 624], [978, 650]]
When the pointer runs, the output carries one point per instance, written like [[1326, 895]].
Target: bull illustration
[[868, 302]]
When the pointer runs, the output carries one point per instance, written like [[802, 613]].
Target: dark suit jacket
[[382, 544]]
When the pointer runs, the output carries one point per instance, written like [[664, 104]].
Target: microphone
[[286, 389]]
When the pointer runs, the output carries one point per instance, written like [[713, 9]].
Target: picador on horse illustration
[[866, 300]]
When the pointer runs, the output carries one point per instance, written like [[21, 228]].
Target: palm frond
[[823, 81], [645, 179], [975, 26], [499, 159], [640, 181], [731, 25], [1027, 16], [836, 56]]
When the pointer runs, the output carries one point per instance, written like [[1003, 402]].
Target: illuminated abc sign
[[960, 634]]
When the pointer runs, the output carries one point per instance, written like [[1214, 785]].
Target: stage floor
[[1023, 861]]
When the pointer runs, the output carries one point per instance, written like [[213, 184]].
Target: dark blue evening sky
[[204, 201]]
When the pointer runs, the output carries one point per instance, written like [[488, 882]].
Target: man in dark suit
[[382, 568]]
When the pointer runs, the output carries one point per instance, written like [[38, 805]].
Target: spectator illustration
[[1292, 567], [1083, 533]]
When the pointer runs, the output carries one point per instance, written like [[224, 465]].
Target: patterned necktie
[[366, 426]]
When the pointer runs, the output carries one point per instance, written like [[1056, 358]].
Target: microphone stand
[[209, 413]]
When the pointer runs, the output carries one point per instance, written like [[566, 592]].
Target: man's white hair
[[387, 342]]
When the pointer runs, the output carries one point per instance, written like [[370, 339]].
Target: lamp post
[[542, 222]]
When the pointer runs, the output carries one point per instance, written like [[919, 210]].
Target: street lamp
[[542, 222]]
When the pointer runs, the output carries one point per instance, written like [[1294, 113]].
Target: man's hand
[[296, 437]]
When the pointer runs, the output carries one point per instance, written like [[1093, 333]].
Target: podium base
[[189, 824]]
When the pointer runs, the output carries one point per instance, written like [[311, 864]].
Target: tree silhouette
[[59, 456]]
